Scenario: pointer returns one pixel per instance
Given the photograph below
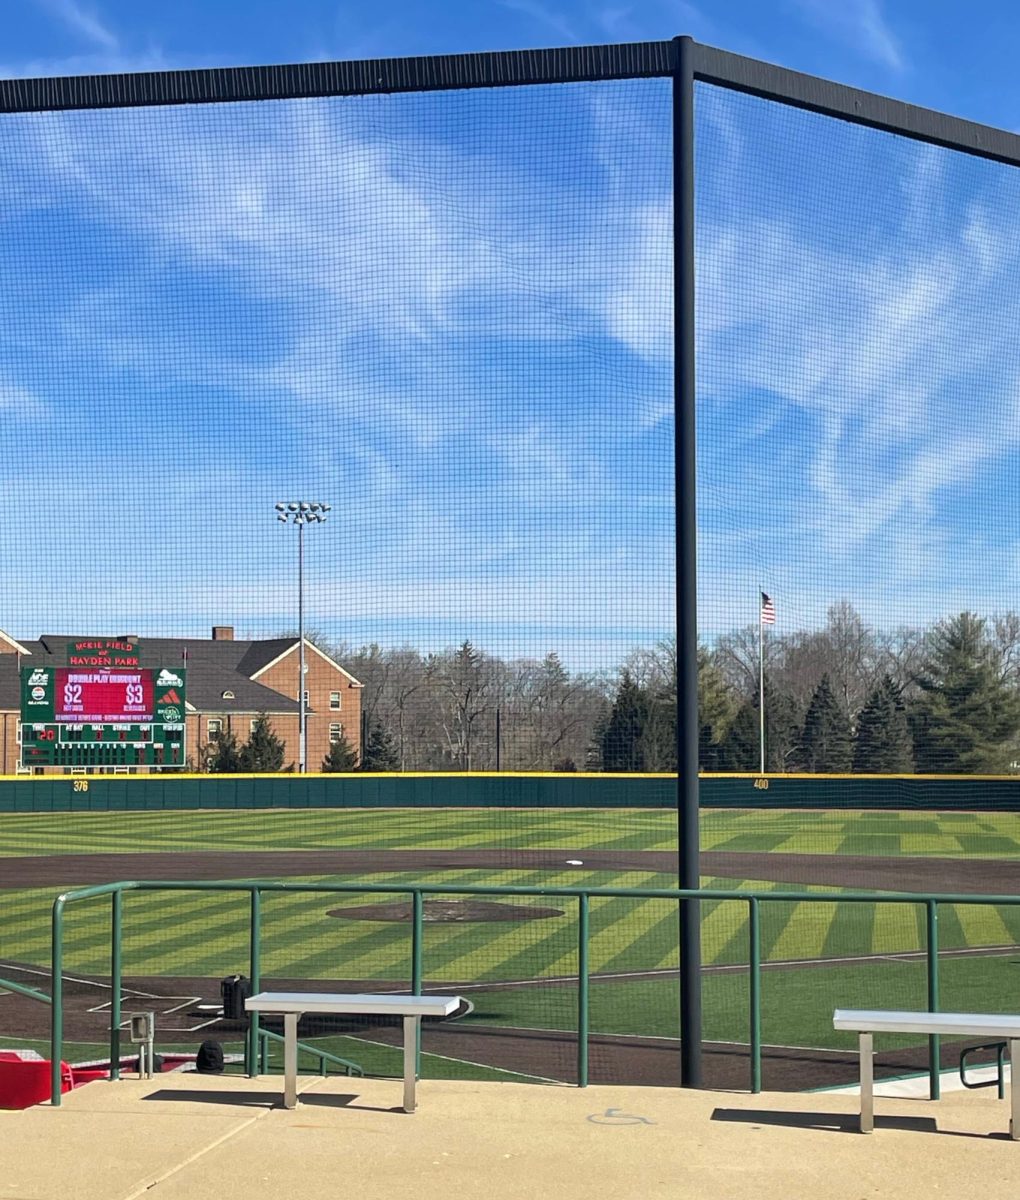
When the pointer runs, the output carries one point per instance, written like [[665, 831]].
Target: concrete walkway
[[190, 1137]]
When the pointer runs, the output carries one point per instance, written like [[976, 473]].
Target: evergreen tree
[[717, 707], [782, 730], [223, 756], [341, 757], [622, 748], [966, 719], [738, 749], [826, 743], [379, 752], [883, 745], [263, 751]]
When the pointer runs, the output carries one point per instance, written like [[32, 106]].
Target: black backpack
[[209, 1060]]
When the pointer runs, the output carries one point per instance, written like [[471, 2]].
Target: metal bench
[[867, 1023], [292, 1005]]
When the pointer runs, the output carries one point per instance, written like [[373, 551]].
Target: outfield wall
[[484, 790]]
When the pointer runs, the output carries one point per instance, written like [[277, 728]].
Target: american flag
[[768, 610]]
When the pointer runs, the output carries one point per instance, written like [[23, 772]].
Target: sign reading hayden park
[[102, 710]]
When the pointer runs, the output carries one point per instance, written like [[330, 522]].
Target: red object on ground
[[24, 1082]]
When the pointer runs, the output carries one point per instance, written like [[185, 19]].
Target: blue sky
[[450, 317]]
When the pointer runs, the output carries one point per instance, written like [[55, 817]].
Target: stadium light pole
[[301, 513]]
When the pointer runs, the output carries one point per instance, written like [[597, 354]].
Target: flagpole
[[761, 684]]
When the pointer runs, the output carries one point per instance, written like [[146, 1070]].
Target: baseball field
[[514, 958]]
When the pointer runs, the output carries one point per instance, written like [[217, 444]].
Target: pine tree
[[782, 730], [883, 745], [264, 751], [622, 748], [379, 752], [738, 749], [223, 756], [826, 743], [341, 757], [717, 707], [966, 719]]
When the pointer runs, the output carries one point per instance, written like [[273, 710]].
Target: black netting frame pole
[[686, 560]]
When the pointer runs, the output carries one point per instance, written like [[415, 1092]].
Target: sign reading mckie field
[[102, 653]]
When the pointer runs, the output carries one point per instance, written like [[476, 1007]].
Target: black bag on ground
[[209, 1060], [234, 990]]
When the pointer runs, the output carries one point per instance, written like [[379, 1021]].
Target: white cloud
[[859, 23], [859, 377], [84, 22], [399, 299], [20, 404]]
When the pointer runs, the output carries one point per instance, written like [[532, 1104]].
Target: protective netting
[[443, 321], [857, 368], [446, 315], [857, 372]]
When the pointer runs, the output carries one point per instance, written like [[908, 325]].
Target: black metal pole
[[686, 559], [499, 740]]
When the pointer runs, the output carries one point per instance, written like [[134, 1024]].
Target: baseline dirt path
[[987, 876]]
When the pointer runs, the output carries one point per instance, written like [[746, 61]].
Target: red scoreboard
[[99, 697]]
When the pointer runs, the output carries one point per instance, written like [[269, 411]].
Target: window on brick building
[[214, 728], [336, 731], [334, 699]]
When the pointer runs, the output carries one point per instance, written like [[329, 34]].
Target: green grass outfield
[[203, 934], [955, 834]]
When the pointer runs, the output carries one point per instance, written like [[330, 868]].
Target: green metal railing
[[417, 892], [266, 1036], [8, 985], [1000, 1079]]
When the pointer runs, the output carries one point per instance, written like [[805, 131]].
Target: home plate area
[[184, 1008]]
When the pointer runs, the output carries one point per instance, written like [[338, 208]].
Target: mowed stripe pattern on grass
[[202, 934]]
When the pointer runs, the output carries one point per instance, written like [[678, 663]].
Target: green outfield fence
[[154, 793], [255, 890]]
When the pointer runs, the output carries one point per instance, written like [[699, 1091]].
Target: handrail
[[23, 990], [256, 887], [274, 885], [1000, 1079], [266, 1036]]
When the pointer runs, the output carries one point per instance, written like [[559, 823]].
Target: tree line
[[839, 699]]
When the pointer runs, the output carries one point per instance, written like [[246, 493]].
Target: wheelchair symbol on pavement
[[615, 1116]]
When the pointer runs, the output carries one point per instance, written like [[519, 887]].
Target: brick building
[[230, 683]]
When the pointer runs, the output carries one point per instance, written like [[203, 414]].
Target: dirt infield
[[188, 1008], [986, 876]]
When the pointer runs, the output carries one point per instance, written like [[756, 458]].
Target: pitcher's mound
[[447, 910]]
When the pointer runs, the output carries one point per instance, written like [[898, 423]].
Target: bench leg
[[867, 1055], [1014, 1089], [410, 1063], [290, 1060]]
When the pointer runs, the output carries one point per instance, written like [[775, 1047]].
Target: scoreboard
[[102, 710]]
